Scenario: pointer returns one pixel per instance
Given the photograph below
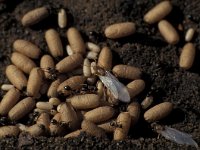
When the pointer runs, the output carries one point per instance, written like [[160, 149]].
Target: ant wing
[[118, 90], [109, 84], [178, 136]]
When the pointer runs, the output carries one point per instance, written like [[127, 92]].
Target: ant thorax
[[157, 128], [53, 73], [115, 124], [68, 88], [54, 122], [99, 71], [83, 89]]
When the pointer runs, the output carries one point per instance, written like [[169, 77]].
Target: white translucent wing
[[123, 94], [118, 90], [107, 81], [178, 136]]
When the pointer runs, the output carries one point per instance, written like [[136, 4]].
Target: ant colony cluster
[[77, 90]]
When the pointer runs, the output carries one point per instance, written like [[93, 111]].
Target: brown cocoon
[[187, 56], [9, 131], [100, 114], [69, 116], [55, 127], [75, 41], [86, 101], [36, 130], [107, 126], [22, 62], [9, 100], [158, 112], [127, 72], [16, 77], [22, 108], [44, 105], [120, 30], [34, 82], [105, 59], [168, 32], [135, 87], [54, 43], [134, 111], [124, 119], [73, 134], [27, 48], [44, 119], [46, 63], [92, 129], [69, 63], [158, 12], [34, 16], [52, 91], [147, 102]]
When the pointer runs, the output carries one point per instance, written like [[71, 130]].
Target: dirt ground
[[145, 49]]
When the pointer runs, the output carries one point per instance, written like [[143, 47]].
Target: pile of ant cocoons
[[79, 91]]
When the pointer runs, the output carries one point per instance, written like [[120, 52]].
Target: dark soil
[[146, 49]]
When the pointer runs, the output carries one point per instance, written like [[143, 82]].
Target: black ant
[[115, 124], [54, 122], [88, 88], [61, 124], [42, 127], [5, 121], [83, 90], [33, 117], [53, 73]]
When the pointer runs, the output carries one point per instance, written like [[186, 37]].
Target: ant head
[[3, 120], [156, 127], [112, 123], [53, 76], [50, 70], [94, 88], [100, 71], [67, 87], [42, 126], [119, 125], [115, 124], [53, 73], [54, 122], [65, 124], [35, 114]]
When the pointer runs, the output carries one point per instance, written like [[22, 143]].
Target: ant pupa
[[85, 101], [73, 134], [121, 132], [9, 131], [100, 114], [92, 129]]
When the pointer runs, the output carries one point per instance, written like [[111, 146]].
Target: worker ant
[[61, 123], [115, 124], [53, 73], [83, 90]]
